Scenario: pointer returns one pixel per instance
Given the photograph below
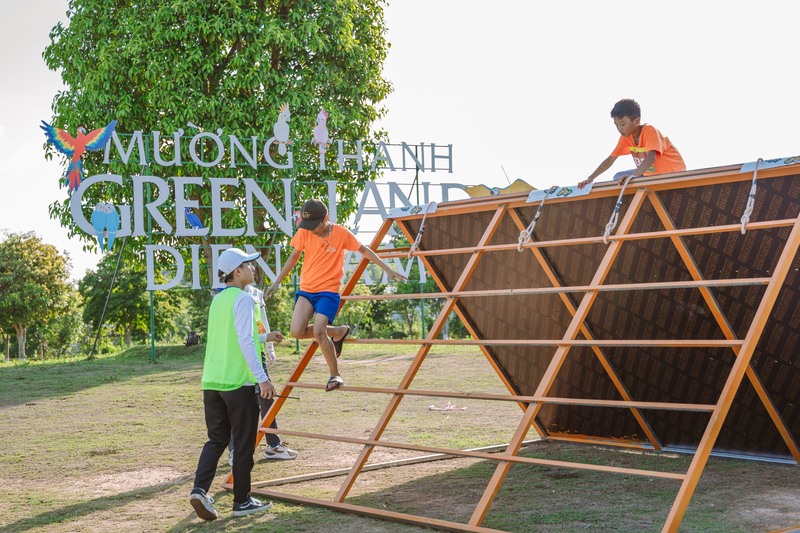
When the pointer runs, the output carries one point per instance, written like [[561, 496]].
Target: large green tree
[[34, 282], [157, 65]]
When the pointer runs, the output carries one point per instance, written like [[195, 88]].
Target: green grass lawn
[[112, 444]]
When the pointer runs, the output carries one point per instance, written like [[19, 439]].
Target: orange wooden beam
[[514, 398], [561, 289], [673, 343], [611, 372], [683, 232], [507, 457]]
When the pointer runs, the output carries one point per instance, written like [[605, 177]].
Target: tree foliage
[[57, 335], [34, 282], [158, 66], [127, 312]]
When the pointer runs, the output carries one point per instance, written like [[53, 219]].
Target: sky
[[522, 90]]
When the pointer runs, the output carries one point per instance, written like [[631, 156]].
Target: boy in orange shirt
[[652, 152], [323, 244]]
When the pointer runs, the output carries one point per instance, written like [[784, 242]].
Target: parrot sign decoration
[[105, 221], [321, 138], [281, 128], [193, 220], [75, 147]]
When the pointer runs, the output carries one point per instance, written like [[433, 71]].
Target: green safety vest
[[224, 367]]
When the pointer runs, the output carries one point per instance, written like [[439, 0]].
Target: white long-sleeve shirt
[[243, 324], [258, 298]]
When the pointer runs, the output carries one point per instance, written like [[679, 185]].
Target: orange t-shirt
[[323, 259], [667, 160]]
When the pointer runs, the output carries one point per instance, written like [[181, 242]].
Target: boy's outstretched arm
[[372, 256], [294, 257], [602, 167]]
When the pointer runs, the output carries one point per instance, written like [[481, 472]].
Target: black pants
[[229, 415], [272, 439]]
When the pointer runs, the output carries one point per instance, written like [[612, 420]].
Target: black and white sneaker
[[203, 504], [251, 506], [279, 452]]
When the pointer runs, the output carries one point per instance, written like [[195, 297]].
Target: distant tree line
[[43, 314]]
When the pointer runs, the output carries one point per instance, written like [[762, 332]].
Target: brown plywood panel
[[657, 374]]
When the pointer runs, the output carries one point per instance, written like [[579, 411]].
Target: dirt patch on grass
[[121, 482]]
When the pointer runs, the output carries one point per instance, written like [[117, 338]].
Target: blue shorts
[[324, 303]]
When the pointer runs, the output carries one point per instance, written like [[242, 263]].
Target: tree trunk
[[446, 327], [8, 348], [128, 335], [22, 333], [410, 319]]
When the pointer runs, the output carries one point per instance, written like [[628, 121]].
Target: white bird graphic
[[281, 129], [321, 138]]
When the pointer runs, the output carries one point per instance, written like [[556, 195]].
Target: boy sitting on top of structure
[[652, 152]]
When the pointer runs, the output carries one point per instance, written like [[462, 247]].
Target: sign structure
[[158, 200], [770, 163]]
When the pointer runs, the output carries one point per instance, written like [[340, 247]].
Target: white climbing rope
[[415, 246], [612, 222], [525, 235], [751, 199]]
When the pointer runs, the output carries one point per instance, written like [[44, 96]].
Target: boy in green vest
[[275, 449], [231, 370]]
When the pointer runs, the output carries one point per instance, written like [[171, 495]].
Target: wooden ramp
[[675, 329]]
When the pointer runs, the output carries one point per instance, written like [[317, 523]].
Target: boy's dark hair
[[626, 108]]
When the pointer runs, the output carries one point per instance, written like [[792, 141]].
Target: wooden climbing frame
[[677, 251]]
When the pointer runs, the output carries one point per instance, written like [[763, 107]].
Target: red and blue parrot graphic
[[74, 147]]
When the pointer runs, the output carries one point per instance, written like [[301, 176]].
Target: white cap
[[232, 258]]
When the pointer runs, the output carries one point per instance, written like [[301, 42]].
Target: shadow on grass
[[38, 380], [107, 503], [291, 519], [535, 498]]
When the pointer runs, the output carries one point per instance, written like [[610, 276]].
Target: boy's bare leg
[[319, 331], [300, 328], [325, 343]]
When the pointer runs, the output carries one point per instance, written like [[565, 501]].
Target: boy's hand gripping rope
[[751, 199], [525, 235], [415, 246], [612, 222]]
